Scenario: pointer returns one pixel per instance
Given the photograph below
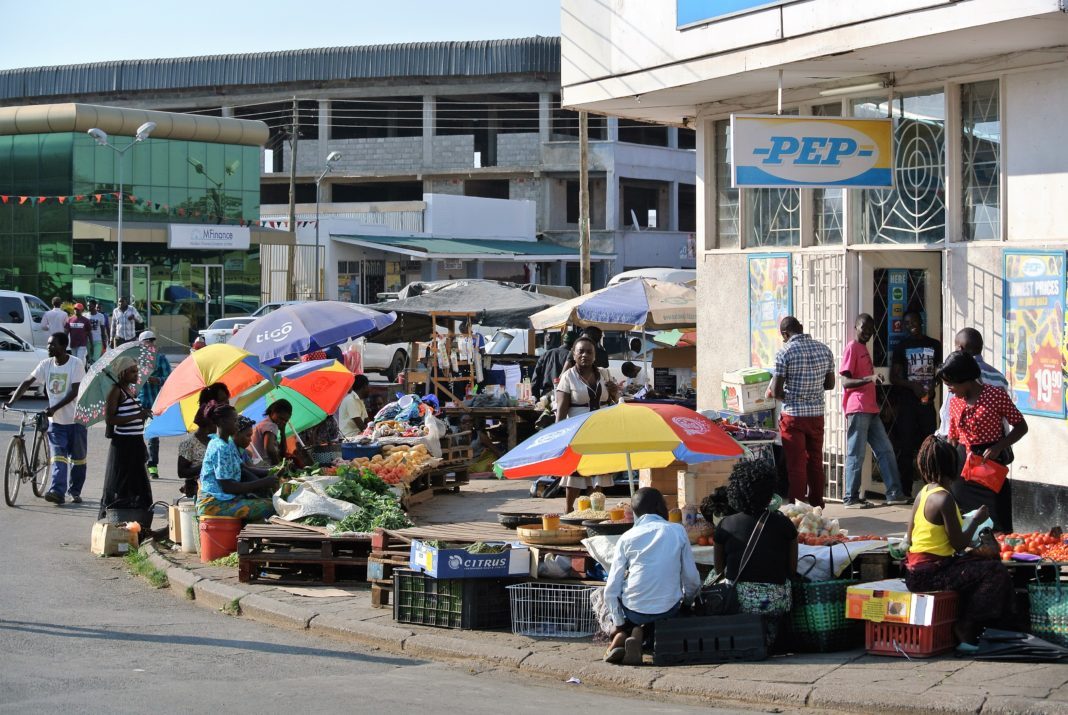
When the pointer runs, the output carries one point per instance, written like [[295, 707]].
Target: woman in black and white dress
[[583, 388], [126, 484]]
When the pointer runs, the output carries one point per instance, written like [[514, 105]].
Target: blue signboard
[[690, 12], [897, 297]]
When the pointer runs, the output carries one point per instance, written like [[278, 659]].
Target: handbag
[[985, 472], [720, 598]]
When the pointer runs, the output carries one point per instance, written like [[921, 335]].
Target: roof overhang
[[745, 78], [150, 232], [121, 121], [438, 249]]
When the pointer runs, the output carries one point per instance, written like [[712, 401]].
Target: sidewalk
[[850, 681]]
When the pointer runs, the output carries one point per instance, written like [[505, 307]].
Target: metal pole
[[318, 283], [585, 280], [294, 135], [118, 286], [630, 476]]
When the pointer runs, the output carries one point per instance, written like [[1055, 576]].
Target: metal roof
[[408, 60], [437, 248]]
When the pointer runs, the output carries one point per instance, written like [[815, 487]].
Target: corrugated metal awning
[[429, 248]]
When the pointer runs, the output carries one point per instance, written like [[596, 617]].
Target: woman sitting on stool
[[222, 491], [937, 560]]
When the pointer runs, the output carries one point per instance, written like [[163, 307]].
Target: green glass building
[[59, 194]]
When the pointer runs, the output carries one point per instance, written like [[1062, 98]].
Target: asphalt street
[[79, 634]]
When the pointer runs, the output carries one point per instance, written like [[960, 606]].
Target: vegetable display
[[377, 511], [1050, 546]]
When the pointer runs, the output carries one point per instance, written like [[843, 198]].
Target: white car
[[388, 360], [17, 360], [220, 330]]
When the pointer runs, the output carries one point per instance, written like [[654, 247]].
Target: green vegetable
[[481, 548], [379, 511], [353, 482], [316, 520]]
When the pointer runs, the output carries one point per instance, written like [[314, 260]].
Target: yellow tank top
[[928, 538]]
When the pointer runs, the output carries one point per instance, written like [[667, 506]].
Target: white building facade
[[977, 90]]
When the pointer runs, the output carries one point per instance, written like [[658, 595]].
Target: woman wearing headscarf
[[977, 415], [126, 484], [223, 489]]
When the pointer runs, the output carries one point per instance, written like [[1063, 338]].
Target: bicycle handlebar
[[5, 408]]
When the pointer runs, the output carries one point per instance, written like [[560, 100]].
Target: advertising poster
[[1034, 295], [770, 300], [897, 297]]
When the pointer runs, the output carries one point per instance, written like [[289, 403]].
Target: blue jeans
[[643, 619], [68, 443], [863, 429]]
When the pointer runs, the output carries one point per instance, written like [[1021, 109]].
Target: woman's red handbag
[[985, 472]]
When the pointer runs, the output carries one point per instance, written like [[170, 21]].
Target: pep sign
[[778, 152]]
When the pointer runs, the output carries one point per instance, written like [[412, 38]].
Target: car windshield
[[7, 335], [37, 307]]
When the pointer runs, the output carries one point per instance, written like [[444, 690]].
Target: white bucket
[[190, 528]]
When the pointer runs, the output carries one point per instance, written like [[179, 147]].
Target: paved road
[[80, 635]]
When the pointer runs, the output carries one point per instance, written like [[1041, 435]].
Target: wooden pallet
[[380, 567], [286, 553]]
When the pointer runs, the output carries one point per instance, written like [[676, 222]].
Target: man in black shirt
[[912, 370], [550, 365]]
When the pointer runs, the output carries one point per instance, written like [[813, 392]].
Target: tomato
[[1019, 548], [1006, 555]]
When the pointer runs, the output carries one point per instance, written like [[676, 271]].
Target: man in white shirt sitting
[[653, 573], [352, 413]]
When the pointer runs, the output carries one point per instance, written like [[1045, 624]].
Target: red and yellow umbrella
[[627, 436]]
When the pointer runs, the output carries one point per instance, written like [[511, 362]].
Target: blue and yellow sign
[[781, 152]]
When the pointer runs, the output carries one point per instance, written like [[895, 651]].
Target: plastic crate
[[470, 603], [552, 610], [902, 639], [351, 450], [710, 639], [1049, 611]]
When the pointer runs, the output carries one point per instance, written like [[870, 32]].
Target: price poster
[[1034, 295], [770, 300]]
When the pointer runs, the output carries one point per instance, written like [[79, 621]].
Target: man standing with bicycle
[[61, 375]]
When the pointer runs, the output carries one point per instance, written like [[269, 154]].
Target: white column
[[613, 129], [228, 111], [545, 117], [324, 130], [428, 130], [673, 137], [611, 201], [673, 204]]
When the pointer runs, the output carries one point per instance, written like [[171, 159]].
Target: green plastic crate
[[464, 603], [1049, 611]]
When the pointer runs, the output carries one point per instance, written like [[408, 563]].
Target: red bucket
[[218, 536]]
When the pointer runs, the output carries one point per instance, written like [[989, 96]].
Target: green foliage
[[138, 563], [377, 511]]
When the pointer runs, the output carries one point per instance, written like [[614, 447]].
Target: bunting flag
[[113, 197]]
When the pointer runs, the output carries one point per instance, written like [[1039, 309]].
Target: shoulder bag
[[720, 598]]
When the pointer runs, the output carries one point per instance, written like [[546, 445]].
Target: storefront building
[[190, 192], [970, 234]]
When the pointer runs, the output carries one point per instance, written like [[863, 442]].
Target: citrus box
[[743, 390], [460, 563], [890, 601]]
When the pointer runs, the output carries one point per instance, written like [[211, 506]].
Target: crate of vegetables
[[475, 561]]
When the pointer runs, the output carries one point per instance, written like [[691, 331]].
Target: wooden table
[[509, 415]]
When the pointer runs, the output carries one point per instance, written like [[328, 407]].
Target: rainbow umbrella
[[179, 398], [622, 437], [101, 377], [315, 389]]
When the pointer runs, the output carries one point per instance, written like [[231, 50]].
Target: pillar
[[324, 132], [611, 201], [673, 205], [545, 117], [429, 270], [673, 137], [428, 130], [613, 129]]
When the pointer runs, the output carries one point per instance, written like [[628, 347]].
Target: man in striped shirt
[[804, 370]]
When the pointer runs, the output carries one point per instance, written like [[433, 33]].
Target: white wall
[[476, 217]]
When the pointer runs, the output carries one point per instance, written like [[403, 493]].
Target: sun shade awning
[[470, 249]]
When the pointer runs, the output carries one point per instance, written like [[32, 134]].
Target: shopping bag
[[985, 472]]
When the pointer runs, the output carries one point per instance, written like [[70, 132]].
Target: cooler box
[[892, 602], [743, 390]]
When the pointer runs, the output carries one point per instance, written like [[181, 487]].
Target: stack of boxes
[[743, 397], [686, 485]]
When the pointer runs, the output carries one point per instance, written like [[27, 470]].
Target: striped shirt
[[804, 364], [129, 407]]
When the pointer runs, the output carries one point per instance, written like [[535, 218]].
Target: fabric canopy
[[632, 305], [493, 304]]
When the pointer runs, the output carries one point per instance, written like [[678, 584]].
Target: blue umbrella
[[295, 329]]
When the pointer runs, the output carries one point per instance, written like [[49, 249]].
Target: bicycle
[[18, 468]]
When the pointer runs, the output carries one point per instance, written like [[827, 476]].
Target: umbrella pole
[[630, 476]]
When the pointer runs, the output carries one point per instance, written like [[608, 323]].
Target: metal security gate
[[820, 297]]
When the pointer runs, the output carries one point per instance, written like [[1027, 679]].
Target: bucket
[[218, 536], [187, 516]]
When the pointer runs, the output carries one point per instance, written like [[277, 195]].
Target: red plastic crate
[[900, 639]]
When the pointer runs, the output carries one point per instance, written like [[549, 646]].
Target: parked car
[[18, 358], [672, 275], [20, 313], [220, 330], [270, 307], [387, 360]]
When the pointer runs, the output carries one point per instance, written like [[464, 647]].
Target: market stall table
[[509, 415]]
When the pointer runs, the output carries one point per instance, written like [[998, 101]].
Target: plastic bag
[[985, 472], [310, 499], [435, 430]]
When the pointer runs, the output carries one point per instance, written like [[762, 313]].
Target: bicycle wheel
[[40, 465], [13, 470]]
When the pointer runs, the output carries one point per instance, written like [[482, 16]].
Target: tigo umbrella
[[627, 436], [632, 305], [295, 329], [101, 377], [178, 399]]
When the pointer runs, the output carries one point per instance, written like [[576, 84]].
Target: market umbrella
[[298, 328], [626, 436], [492, 303], [101, 377], [179, 397], [640, 304], [315, 389]]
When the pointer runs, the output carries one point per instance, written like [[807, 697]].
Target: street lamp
[[331, 158], [101, 138]]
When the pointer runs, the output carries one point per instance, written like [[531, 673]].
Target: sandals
[[615, 655], [633, 647]]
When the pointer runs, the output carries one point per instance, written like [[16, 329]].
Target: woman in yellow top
[[937, 557]]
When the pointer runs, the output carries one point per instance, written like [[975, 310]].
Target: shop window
[[828, 204], [981, 160], [687, 139], [636, 132], [486, 188], [728, 214], [687, 207], [774, 217], [914, 211]]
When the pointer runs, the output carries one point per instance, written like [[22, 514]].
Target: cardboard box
[[111, 540], [579, 561], [174, 523], [746, 398], [663, 479], [693, 487], [890, 601], [458, 563], [674, 357]]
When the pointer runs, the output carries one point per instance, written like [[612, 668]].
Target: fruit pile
[[398, 463], [839, 538], [1049, 546]]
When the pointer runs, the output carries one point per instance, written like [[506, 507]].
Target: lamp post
[[101, 138], [331, 158]]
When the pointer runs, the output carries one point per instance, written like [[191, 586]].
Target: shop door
[[137, 285], [207, 282], [894, 283]]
